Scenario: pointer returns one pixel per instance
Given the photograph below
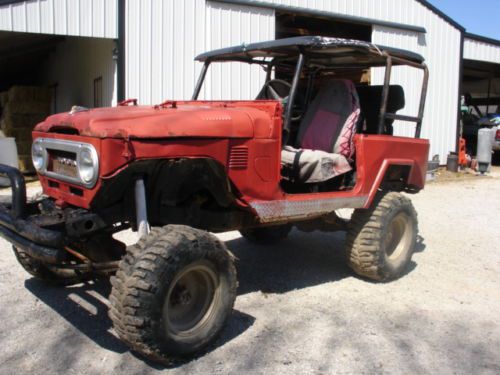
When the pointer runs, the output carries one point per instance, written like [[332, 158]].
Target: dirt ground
[[299, 309]]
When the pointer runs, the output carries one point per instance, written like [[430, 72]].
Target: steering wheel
[[271, 91]]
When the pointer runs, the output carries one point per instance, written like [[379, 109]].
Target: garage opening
[[43, 74], [293, 24], [480, 99]]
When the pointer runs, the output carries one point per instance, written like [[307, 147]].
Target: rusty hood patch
[[196, 119]]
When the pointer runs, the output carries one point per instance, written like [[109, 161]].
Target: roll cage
[[305, 56]]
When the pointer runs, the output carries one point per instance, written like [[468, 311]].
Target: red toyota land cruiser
[[315, 140]]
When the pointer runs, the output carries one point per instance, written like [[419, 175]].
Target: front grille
[[63, 163]]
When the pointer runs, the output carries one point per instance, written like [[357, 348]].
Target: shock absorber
[[141, 208]]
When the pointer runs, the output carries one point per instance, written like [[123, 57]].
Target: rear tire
[[173, 292], [381, 240], [266, 235]]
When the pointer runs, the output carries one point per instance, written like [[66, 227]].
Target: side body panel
[[374, 155]]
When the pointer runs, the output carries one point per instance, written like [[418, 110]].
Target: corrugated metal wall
[[93, 18], [163, 37], [74, 65], [482, 51], [229, 25]]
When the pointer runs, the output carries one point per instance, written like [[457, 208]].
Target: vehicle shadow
[[85, 307], [299, 261]]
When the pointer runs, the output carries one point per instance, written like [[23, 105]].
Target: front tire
[[173, 292], [381, 240]]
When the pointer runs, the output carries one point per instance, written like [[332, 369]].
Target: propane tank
[[484, 149]]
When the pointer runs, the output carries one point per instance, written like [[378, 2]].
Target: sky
[[477, 16]]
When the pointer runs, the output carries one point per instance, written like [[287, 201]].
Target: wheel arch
[[168, 182], [396, 175]]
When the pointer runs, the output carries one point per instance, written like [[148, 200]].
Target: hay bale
[[13, 122], [30, 93], [26, 164], [26, 108], [21, 135], [23, 147], [4, 98], [16, 121]]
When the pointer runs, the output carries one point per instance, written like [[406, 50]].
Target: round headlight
[[37, 155], [87, 165]]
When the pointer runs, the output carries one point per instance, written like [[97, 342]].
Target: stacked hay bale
[[22, 108]]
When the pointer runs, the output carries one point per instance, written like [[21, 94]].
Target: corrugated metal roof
[[91, 18], [481, 49], [483, 39]]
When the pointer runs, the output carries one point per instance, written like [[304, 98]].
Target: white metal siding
[[229, 25], [74, 65], [481, 51], [163, 37], [92, 18]]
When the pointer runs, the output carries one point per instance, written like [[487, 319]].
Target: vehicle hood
[[186, 119]]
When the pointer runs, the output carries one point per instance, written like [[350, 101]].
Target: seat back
[[370, 98], [329, 123]]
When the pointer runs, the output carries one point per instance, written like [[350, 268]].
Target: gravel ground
[[299, 309]]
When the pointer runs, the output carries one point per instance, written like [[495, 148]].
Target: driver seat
[[325, 139]]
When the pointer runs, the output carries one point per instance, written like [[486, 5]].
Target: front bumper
[[18, 224]]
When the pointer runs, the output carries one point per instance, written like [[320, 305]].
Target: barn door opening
[[480, 106], [293, 25]]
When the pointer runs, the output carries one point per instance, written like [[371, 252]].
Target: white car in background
[[496, 141]]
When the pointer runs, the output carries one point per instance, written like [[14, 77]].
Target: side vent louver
[[238, 157]]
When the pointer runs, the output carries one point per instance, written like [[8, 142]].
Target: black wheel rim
[[191, 299]]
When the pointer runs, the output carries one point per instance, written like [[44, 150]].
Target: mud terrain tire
[[45, 272], [266, 235], [381, 240], [173, 292]]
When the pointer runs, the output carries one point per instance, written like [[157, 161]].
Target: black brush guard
[[40, 243]]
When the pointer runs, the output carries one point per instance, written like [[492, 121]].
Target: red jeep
[[315, 140]]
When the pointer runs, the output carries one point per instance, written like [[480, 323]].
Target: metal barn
[[96, 52]]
